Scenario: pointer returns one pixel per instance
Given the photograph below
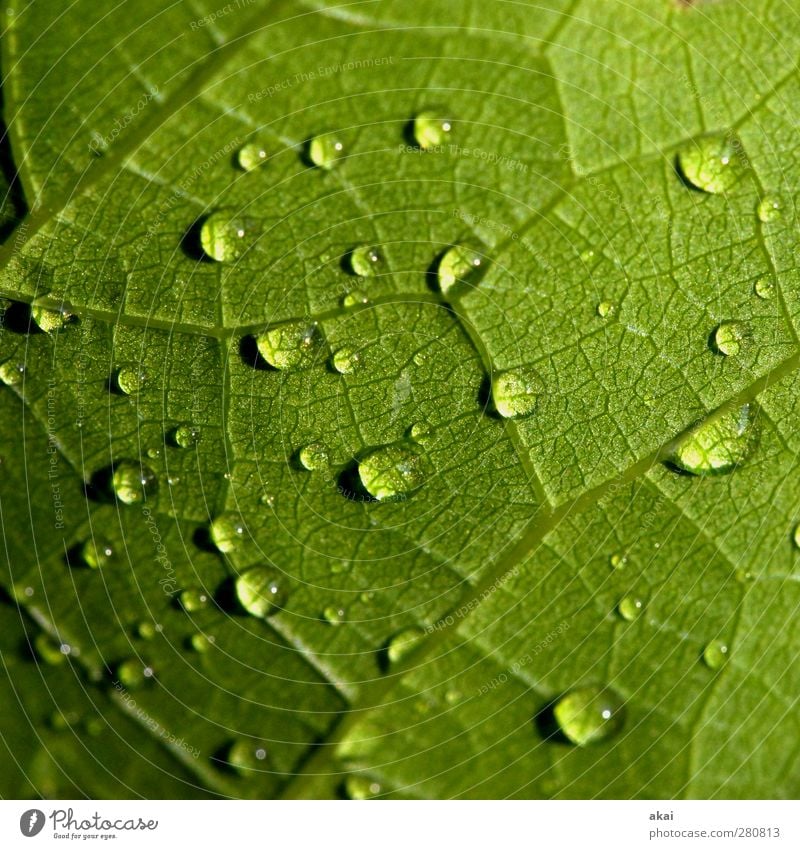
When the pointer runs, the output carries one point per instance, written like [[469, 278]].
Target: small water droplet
[[365, 260], [618, 561], [730, 337], [402, 644], [605, 309], [346, 360], [132, 482], [250, 156], [630, 607], [334, 615], [718, 444], [222, 236], [260, 591], [186, 435], [796, 536], [96, 553], [268, 500], [314, 457], [421, 432], [50, 320], [227, 532], [744, 576], [153, 453], [431, 129], [712, 163], [392, 471], [324, 151], [49, 650], [201, 642], [11, 373], [132, 673], [147, 630], [130, 379], [589, 715], [359, 787], [715, 654], [367, 597], [515, 392], [589, 256], [458, 264], [193, 599], [769, 209], [247, 756], [291, 345], [764, 288], [356, 298]]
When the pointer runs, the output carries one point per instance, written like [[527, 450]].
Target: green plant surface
[[501, 504]]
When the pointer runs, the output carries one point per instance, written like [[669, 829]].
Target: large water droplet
[[130, 379], [251, 156], [730, 337], [314, 457], [48, 319], [186, 435], [589, 715], [222, 236], [292, 345], [719, 444], [246, 756], [515, 392], [260, 591], [392, 471], [11, 373], [431, 129], [769, 209], [132, 673], [132, 481], [712, 163], [96, 553], [764, 288], [324, 151], [193, 600], [715, 654], [457, 265], [334, 615], [359, 787], [346, 360], [421, 432], [365, 260], [402, 644], [629, 608], [227, 532]]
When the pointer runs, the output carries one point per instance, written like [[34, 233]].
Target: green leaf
[[440, 478]]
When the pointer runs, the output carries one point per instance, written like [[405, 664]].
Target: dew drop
[[193, 600], [222, 237], [130, 379], [227, 532], [132, 674], [515, 392], [246, 756], [324, 151], [250, 156], [153, 453], [618, 561], [402, 644], [12, 373], [458, 264], [314, 457], [589, 715], [132, 482], [769, 209], [630, 608], [715, 654], [49, 650], [712, 163], [356, 298], [359, 787], [764, 288], [730, 337], [186, 435], [334, 615], [289, 346], [365, 260], [201, 643], [717, 445], [431, 129], [346, 360], [49, 320], [421, 432], [606, 309], [796, 536], [96, 553], [260, 591], [146, 630], [392, 471]]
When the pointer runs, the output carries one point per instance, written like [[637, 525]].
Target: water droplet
[[291, 345], [147, 630], [251, 156], [132, 482], [718, 444], [268, 500], [712, 163], [193, 600], [260, 591], [744, 576], [630, 608], [359, 787], [153, 453], [49, 320], [130, 379], [132, 674], [618, 561], [796, 536], [222, 237], [431, 129], [769, 209], [186, 435], [96, 553], [589, 715], [589, 256], [324, 151], [365, 260], [402, 644], [605, 309], [246, 756], [764, 288], [201, 642], [421, 432], [49, 650], [355, 298], [334, 615], [392, 471], [515, 392], [346, 360], [715, 654], [314, 457], [458, 264], [11, 373], [730, 337], [227, 532]]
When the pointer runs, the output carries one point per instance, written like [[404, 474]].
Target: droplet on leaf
[[457, 265], [712, 164], [718, 444], [515, 392], [431, 129], [392, 471], [324, 151], [365, 260], [227, 532], [222, 237], [715, 654], [132, 481], [730, 337], [251, 156], [589, 715], [260, 591], [290, 346]]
